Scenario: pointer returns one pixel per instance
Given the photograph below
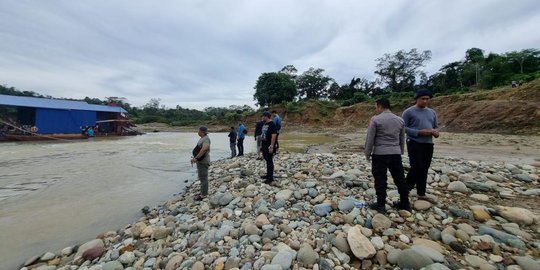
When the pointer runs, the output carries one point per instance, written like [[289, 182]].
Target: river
[[59, 194]]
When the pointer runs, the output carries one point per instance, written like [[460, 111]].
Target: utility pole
[[476, 65]]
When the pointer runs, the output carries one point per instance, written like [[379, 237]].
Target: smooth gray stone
[[448, 238], [313, 193], [221, 199], [434, 234], [346, 205], [411, 259], [507, 238], [461, 212], [284, 258], [431, 253], [113, 265], [532, 192], [436, 266], [322, 209], [272, 267], [324, 264], [527, 263], [280, 203], [478, 186], [524, 177]]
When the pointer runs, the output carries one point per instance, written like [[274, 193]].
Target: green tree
[[398, 71], [290, 70], [448, 78], [313, 84], [524, 61], [473, 66], [274, 88]]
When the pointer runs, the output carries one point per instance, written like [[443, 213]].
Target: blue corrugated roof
[[56, 104]]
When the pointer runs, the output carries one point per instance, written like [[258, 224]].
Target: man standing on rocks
[[258, 132], [268, 138], [232, 142], [421, 126], [241, 136], [277, 120], [201, 156], [385, 145]]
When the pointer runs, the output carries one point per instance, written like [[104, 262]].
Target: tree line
[[399, 74]]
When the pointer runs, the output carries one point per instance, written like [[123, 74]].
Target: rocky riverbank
[[485, 216]]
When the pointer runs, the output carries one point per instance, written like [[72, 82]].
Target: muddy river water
[[58, 194]]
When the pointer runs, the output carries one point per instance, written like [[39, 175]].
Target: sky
[[199, 54]]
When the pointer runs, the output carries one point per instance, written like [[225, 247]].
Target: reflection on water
[[53, 195]]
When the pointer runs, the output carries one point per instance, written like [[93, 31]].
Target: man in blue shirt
[[241, 136], [420, 126], [277, 121]]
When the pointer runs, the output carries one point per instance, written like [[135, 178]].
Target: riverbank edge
[[191, 188]]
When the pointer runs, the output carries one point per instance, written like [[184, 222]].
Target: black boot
[[377, 207], [402, 205]]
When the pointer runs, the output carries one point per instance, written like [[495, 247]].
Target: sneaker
[[401, 206], [268, 181], [377, 207]]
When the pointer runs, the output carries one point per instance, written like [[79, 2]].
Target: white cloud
[[209, 53]]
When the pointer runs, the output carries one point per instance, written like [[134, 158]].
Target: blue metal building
[[55, 116]]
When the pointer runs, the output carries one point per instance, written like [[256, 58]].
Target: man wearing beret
[[421, 127], [201, 156]]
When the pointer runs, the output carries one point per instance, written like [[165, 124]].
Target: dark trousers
[[420, 155], [202, 172], [241, 147], [233, 149], [379, 166], [269, 158], [277, 141]]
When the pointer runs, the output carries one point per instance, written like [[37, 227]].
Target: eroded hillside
[[504, 110]]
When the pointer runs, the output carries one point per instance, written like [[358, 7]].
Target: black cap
[[423, 92]]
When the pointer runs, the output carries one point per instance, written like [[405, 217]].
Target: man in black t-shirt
[[232, 142], [268, 141]]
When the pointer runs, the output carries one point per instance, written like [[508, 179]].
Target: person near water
[[385, 143], [421, 127], [268, 145], [277, 120], [258, 132], [201, 157], [241, 136], [232, 142], [90, 132]]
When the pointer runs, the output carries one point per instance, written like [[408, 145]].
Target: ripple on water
[[20, 189]]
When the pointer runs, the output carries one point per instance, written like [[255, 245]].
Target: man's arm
[[201, 153], [402, 140], [272, 142], [407, 119], [370, 138]]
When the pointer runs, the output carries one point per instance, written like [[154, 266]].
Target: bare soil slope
[[504, 110]]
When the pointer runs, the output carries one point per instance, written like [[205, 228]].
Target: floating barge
[[32, 119]]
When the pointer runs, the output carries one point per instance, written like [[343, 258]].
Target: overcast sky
[[198, 54]]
